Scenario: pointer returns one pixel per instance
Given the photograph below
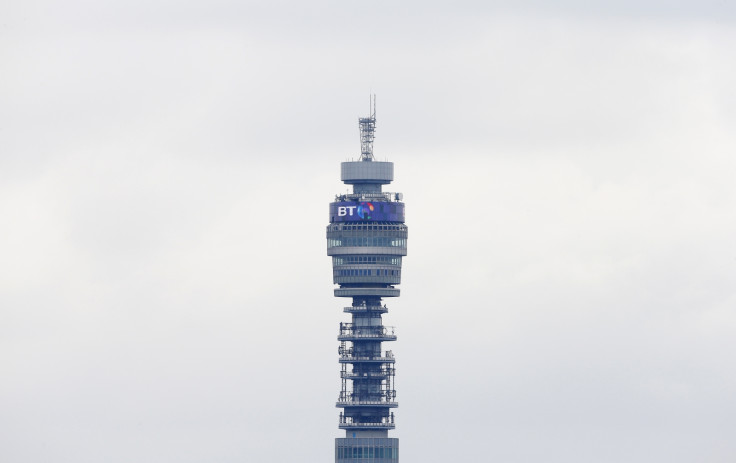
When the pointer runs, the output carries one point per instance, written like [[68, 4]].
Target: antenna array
[[367, 130]]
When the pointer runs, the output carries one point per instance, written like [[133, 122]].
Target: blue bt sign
[[374, 211]]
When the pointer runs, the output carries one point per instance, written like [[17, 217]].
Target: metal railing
[[376, 330], [382, 396], [366, 426], [343, 351], [383, 195], [367, 403], [356, 335], [363, 308], [368, 374], [347, 332], [347, 422], [378, 337], [346, 358]]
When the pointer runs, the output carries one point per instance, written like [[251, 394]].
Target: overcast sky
[[568, 169]]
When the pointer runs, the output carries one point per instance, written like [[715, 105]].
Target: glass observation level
[[366, 238]]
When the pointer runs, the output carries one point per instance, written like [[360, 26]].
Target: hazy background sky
[[568, 170]]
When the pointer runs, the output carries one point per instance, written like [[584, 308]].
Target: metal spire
[[367, 129]]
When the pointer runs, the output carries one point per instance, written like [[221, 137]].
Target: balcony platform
[[367, 375], [366, 309], [365, 403], [366, 337], [368, 292], [367, 426], [352, 359]]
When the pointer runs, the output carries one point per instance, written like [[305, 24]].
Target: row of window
[[361, 272], [352, 453], [345, 235], [365, 226], [384, 260], [382, 241]]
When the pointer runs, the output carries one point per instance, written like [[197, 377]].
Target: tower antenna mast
[[367, 131]]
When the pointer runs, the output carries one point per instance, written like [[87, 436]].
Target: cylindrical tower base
[[368, 449]]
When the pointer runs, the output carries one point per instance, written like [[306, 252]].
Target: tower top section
[[367, 131], [366, 174], [374, 172]]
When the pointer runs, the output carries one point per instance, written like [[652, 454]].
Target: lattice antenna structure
[[367, 131]]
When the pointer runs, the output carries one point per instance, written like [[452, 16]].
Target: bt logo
[[363, 210]]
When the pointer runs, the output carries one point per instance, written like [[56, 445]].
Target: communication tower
[[366, 239]]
